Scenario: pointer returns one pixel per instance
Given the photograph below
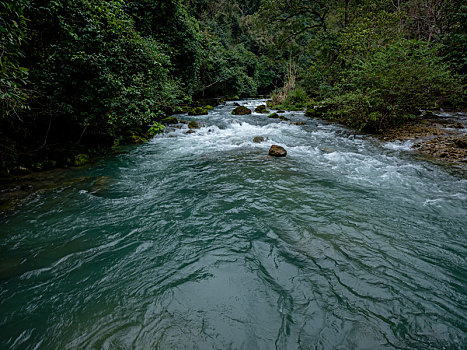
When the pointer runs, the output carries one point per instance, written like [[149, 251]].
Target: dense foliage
[[371, 64], [12, 74], [87, 73], [79, 74]]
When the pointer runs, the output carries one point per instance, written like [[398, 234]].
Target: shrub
[[393, 85]]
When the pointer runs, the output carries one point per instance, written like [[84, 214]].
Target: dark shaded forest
[[78, 77]]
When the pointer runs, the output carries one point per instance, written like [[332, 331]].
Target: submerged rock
[[190, 132], [298, 123], [281, 111], [258, 139], [277, 151], [274, 116], [281, 117], [241, 110]]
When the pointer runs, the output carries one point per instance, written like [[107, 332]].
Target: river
[[202, 241]]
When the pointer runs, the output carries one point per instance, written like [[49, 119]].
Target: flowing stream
[[202, 241]]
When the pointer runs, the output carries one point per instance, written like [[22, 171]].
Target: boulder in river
[[169, 120], [193, 125], [190, 132], [198, 111], [274, 116], [277, 151], [298, 123], [258, 139], [241, 110], [281, 117], [261, 109]]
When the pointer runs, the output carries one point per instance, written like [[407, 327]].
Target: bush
[[393, 85]]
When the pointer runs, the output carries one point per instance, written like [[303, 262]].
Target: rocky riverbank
[[440, 136]]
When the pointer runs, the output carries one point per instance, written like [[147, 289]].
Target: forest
[[233, 174], [78, 77]]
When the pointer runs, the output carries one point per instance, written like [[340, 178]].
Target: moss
[[274, 116], [198, 111], [241, 110], [169, 120], [281, 117], [137, 139], [81, 159], [193, 125], [209, 108], [261, 109]]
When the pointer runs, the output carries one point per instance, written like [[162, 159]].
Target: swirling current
[[202, 241]]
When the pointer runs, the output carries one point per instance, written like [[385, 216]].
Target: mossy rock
[[261, 109], [209, 108], [190, 132], [169, 120], [274, 116], [281, 117], [269, 103], [258, 139], [193, 125], [81, 159], [198, 111], [241, 110], [280, 111], [137, 139]]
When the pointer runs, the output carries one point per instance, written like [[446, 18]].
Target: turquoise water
[[202, 241]]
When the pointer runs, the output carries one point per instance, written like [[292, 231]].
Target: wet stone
[[277, 151]]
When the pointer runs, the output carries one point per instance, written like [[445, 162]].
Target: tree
[[12, 75]]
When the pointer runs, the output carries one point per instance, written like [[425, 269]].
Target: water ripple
[[203, 241]]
